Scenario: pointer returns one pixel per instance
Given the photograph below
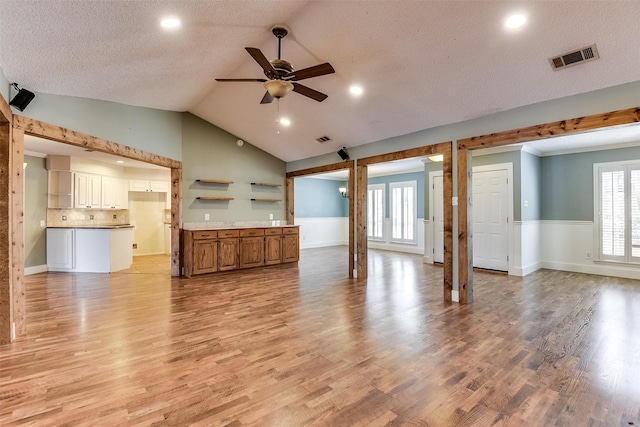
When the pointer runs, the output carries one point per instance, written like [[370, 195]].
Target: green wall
[[154, 131], [567, 182], [35, 202], [209, 152]]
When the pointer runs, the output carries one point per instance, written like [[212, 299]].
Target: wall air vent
[[585, 54], [323, 139]]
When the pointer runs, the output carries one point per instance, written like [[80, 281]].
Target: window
[[617, 210], [375, 212], [403, 211]]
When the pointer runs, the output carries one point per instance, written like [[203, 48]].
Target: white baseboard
[[35, 269], [597, 269], [427, 260], [323, 244], [396, 248], [528, 269]]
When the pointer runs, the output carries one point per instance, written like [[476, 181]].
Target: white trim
[[413, 184], [598, 269], [455, 296], [35, 269], [495, 150], [589, 149]]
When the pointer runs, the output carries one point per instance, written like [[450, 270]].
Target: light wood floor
[[302, 345]]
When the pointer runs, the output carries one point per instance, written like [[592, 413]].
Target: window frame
[[626, 167], [414, 214], [382, 188]]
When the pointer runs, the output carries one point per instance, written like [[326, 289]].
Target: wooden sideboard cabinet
[[208, 251]]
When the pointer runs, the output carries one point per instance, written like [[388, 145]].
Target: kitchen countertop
[[109, 227], [218, 226]]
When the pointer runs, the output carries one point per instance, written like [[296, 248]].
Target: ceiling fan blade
[[241, 80], [267, 98], [315, 71], [259, 57], [307, 91]]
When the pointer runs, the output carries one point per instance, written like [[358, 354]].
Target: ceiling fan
[[281, 77]]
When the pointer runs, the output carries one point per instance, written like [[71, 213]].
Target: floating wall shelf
[[266, 200], [214, 181], [266, 184], [213, 198]]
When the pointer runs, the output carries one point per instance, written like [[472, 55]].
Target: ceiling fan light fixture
[[278, 88]]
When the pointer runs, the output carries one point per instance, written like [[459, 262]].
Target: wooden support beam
[[79, 139], [447, 174], [465, 238], [548, 130], [176, 198], [290, 200], [362, 178], [17, 232], [403, 154], [6, 300], [352, 203], [5, 111], [321, 169]]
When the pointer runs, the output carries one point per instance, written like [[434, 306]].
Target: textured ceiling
[[421, 63]]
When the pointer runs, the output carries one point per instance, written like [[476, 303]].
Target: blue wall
[[319, 198], [414, 176]]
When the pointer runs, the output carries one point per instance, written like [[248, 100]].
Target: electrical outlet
[[587, 255], [42, 223], [206, 217], [270, 216], [64, 217], [135, 246], [114, 216], [90, 216]]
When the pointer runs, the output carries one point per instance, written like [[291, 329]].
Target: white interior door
[[438, 219], [490, 219]]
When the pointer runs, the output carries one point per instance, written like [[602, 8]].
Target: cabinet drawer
[[290, 230], [251, 232], [227, 233], [275, 231], [204, 234]]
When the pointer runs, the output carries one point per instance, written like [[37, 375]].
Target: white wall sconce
[[343, 192]]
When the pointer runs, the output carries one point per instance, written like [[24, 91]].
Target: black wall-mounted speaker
[[343, 153], [22, 99]]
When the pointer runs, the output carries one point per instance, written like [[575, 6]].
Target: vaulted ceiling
[[421, 63]]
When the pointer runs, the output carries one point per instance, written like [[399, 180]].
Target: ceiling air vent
[[323, 139], [585, 54]]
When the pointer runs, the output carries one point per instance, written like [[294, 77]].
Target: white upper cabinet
[[148, 185], [114, 193], [88, 190]]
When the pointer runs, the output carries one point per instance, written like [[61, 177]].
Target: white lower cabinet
[[90, 250], [60, 249]]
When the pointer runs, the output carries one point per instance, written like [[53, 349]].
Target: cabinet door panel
[[290, 248], [205, 256], [273, 249], [251, 252], [227, 254]]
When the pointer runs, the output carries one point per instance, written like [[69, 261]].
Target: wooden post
[[361, 220], [447, 173], [290, 200], [6, 300], [17, 231], [465, 237], [176, 197], [352, 202]]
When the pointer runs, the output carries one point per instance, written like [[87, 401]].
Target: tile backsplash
[[86, 217]]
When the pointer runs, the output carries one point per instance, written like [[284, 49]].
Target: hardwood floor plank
[[305, 345]]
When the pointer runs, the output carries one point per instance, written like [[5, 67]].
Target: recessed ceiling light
[[356, 90], [285, 121], [170, 23], [515, 21], [119, 161]]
